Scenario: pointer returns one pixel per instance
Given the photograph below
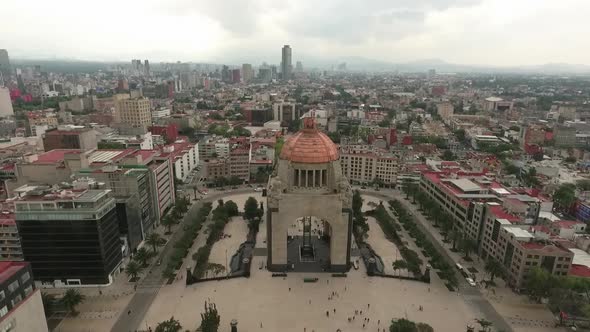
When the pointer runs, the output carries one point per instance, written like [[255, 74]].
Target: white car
[[258, 189], [471, 282]]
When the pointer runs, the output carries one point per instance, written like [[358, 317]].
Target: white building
[[184, 156], [5, 102]]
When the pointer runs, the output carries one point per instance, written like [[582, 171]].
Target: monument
[[308, 194]]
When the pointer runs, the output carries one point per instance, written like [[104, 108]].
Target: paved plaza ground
[[263, 299], [289, 304]]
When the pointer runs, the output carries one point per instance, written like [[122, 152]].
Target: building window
[[25, 277], [13, 286], [16, 300], [3, 311], [28, 290], [2, 296]]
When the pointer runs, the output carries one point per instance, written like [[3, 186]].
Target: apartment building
[[134, 112], [70, 237], [21, 307], [364, 164], [10, 247], [507, 239], [235, 163], [184, 155]]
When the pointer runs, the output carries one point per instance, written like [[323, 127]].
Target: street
[[471, 295]]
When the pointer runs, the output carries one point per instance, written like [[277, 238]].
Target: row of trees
[[182, 246], [359, 222], [411, 261], [231, 181]]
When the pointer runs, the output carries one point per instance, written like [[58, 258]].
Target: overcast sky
[[482, 32]]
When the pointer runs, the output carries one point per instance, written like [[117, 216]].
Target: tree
[[468, 246], [448, 155], [235, 180], [215, 268], [171, 325], [250, 208], [133, 269], [231, 208], [399, 265], [142, 256], [402, 325], [154, 240], [195, 189], [210, 319], [71, 299], [168, 221], [583, 185], [565, 196], [494, 268], [539, 282]]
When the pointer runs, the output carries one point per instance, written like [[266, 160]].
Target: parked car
[[471, 282]]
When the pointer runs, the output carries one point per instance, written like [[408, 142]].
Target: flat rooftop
[[465, 185]]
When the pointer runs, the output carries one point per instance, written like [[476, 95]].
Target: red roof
[[567, 223], [580, 271], [8, 269], [309, 146], [53, 156], [499, 212]]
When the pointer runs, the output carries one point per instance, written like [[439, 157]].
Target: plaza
[[289, 304]]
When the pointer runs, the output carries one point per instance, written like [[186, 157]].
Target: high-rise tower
[[286, 65]]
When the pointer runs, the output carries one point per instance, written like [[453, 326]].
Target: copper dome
[[309, 146]]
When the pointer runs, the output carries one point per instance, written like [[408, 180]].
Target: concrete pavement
[[471, 295], [150, 285]]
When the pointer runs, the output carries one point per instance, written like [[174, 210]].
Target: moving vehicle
[[471, 282]]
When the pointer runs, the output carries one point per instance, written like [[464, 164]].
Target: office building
[[21, 307], [285, 112], [4, 65], [286, 64], [57, 166], [247, 73], [146, 67], [70, 138], [134, 112], [70, 237], [235, 76], [135, 197], [564, 136]]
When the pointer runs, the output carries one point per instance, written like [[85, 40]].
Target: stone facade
[[299, 190]]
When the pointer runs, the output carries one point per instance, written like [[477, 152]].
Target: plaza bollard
[[234, 325]]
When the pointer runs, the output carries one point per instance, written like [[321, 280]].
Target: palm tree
[[142, 256], [468, 246], [455, 237], [154, 240], [133, 269], [494, 268], [168, 221], [71, 299]]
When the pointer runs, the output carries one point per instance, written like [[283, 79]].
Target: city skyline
[[468, 32]]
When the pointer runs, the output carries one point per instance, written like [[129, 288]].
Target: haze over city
[[468, 32]]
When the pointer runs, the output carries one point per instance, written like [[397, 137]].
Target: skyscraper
[[146, 67], [286, 65], [4, 63], [247, 72]]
